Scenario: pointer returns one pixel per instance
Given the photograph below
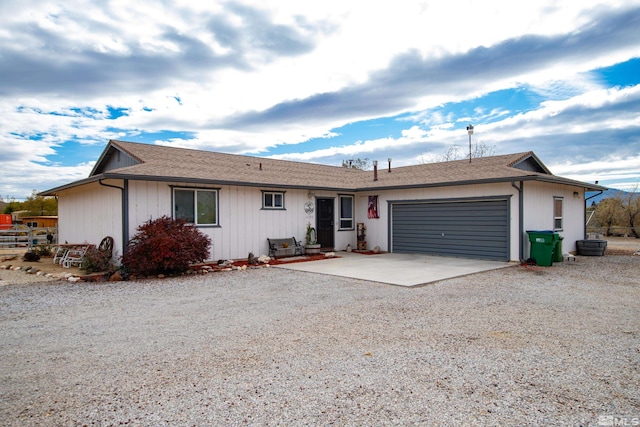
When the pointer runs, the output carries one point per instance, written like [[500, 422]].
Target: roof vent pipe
[[375, 170], [389, 164], [260, 165]]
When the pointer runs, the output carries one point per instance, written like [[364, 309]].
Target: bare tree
[[482, 150], [631, 211], [620, 211], [454, 152], [608, 213], [362, 164]]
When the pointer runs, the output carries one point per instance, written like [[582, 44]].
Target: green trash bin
[[542, 244], [557, 248]]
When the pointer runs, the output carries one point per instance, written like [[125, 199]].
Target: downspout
[[585, 211], [125, 209], [520, 217]]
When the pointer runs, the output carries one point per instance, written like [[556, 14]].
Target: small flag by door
[[372, 212]]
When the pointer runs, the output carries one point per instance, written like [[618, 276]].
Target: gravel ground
[[516, 346]]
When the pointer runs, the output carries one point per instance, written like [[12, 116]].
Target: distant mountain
[[607, 194]]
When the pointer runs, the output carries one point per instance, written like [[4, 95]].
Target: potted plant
[[312, 246]]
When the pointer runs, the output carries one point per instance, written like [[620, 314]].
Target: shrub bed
[[165, 246]]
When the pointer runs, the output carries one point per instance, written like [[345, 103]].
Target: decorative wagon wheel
[[106, 246]]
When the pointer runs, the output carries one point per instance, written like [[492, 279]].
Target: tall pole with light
[[470, 132]]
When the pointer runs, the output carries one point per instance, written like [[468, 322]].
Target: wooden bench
[[285, 247]]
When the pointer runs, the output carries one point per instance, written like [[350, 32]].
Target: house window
[[273, 200], [346, 212], [198, 207], [557, 213]]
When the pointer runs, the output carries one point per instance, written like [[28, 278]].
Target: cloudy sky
[[320, 82]]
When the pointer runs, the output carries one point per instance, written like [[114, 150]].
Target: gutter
[[520, 217], [125, 210], [585, 211]]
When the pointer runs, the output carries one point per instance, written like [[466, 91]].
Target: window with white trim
[[557, 213], [346, 211], [273, 200], [196, 206]]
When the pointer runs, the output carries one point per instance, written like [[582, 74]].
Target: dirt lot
[[13, 257], [517, 346], [622, 245]]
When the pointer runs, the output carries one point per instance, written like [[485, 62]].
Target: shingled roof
[[162, 163]]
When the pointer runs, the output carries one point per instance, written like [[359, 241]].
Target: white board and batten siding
[[88, 213], [243, 225], [539, 211], [378, 229]]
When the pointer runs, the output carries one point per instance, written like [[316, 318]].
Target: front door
[[325, 222]]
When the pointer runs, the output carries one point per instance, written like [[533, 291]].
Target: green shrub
[[97, 261], [43, 250], [165, 246]]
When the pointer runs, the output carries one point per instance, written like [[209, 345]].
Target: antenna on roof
[[470, 132]]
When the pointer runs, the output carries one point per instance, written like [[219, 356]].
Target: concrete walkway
[[396, 269]]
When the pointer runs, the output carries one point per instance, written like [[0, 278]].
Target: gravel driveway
[[516, 346]]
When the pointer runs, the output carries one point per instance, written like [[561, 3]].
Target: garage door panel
[[474, 229], [470, 236], [452, 226], [455, 207], [449, 241], [494, 253]]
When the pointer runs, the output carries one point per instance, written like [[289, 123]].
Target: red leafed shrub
[[165, 246]]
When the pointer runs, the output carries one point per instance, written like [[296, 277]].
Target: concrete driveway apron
[[396, 269]]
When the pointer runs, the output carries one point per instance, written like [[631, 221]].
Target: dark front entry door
[[325, 222]]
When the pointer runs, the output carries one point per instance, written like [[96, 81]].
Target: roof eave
[[557, 180], [551, 179], [204, 181], [542, 178], [54, 191]]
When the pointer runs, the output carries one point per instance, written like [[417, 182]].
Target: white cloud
[[251, 75]]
